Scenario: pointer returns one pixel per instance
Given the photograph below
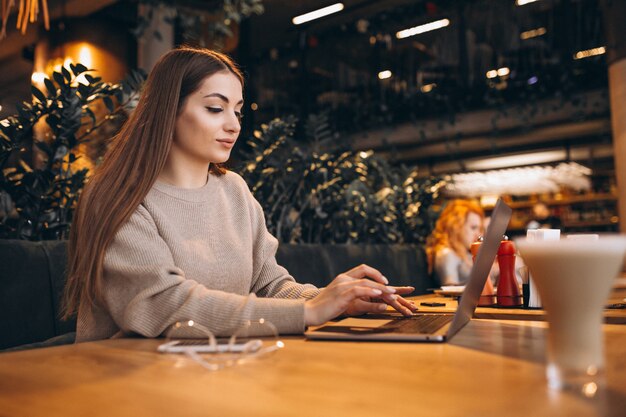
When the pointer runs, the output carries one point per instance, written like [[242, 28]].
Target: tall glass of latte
[[574, 278]]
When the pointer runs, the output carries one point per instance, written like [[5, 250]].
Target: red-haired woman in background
[[460, 224], [162, 233]]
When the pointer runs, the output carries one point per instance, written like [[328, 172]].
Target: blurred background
[[479, 98]]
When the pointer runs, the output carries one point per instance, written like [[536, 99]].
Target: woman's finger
[[368, 283], [393, 301], [359, 307], [354, 292], [366, 271], [404, 290], [408, 303]]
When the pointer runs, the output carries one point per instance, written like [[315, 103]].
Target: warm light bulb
[[529, 34], [428, 88], [590, 52], [383, 75], [38, 77], [84, 56]]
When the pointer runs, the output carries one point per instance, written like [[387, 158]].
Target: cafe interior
[[364, 122]]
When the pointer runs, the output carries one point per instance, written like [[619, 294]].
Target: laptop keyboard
[[423, 324]]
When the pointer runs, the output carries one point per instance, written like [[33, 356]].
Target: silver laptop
[[428, 327]]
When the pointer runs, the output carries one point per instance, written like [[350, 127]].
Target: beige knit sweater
[[201, 254]]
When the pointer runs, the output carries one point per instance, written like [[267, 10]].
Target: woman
[[162, 233], [460, 224]]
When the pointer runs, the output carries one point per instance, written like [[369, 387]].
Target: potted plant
[[327, 204], [42, 171]]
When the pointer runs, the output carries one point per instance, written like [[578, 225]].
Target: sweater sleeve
[[271, 279], [145, 292]]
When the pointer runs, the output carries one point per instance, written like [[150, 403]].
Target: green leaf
[[58, 77], [108, 103], [66, 74], [52, 89], [38, 94], [79, 69], [91, 115]]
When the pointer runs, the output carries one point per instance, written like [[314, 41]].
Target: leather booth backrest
[[319, 264], [32, 275]]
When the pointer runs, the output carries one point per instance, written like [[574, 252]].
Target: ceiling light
[[533, 33], [316, 14], [524, 2], [520, 181], [428, 88], [383, 75], [501, 72], [542, 157], [590, 52], [438, 24]]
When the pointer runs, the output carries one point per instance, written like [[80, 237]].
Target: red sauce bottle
[[508, 291]]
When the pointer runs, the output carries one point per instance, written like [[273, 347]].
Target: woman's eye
[[214, 109]]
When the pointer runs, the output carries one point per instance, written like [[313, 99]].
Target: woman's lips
[[227, 143]]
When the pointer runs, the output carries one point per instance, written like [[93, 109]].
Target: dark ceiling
[[331, 66]]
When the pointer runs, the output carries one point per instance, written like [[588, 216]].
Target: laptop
[[429, 327]]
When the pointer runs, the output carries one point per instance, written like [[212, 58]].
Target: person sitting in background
[[447, 249]]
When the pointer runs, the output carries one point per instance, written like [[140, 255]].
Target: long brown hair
[[131, 166], [449, 230]]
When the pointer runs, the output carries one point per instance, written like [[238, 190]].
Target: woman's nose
[[233, 125]]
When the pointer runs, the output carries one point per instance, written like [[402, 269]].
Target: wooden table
[[611, 316], [491, 368]]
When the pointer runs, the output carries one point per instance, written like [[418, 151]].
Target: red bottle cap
[[507, 247]]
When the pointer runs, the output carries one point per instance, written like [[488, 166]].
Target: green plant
[[39, 149], [337, 196], [200, 20]]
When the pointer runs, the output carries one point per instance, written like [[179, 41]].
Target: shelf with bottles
[[561, 200], [572, 213]]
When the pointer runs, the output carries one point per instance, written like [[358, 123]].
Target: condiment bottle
[[487, 297], [508, 291]]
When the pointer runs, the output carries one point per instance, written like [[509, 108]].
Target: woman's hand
[[360, 290]]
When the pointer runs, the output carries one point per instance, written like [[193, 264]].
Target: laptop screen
[[482, 266]]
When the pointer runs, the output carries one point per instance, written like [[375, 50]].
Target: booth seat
[[32, 275]]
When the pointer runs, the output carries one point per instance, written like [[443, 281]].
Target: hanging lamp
[[28, 11]]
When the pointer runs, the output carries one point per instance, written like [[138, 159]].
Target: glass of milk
[[574, 278]]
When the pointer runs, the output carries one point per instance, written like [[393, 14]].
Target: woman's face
[[471, 229], [209, 122]]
